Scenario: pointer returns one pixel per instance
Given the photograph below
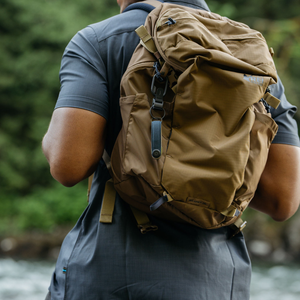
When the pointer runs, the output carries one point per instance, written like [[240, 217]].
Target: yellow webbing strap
[[143, 221], [146, 39], [271, 100], [229, 212], [108, 202]]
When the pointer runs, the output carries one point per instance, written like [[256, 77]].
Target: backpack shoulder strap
[[147, 5]]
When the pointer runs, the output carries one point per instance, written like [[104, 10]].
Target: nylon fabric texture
[[215, 131]]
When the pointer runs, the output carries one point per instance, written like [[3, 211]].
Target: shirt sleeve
[[284, 117], [83, 75], [84, 85]]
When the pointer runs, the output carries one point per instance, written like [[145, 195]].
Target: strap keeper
[[231, 211], [146, 39], [271, 100]]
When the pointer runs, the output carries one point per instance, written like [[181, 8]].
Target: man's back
[[115, 261]]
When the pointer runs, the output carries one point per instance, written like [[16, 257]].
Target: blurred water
[[277, 282], [23, 280]]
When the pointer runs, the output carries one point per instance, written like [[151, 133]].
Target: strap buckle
[[144, 228], [158, 93], [237, 227]]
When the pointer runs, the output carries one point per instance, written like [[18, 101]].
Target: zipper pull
[[170, 22]]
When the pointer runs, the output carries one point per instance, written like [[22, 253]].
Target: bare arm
[[278, 193], [73, 144]]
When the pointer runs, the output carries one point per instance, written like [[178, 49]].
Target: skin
[[124, 3], [278, 192], [74, 143]]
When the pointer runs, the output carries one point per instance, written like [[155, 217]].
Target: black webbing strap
[[158, 203]]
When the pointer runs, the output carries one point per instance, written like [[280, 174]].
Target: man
[[115, 261]]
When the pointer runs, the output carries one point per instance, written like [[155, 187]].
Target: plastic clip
[[237, 227], [158, 93]]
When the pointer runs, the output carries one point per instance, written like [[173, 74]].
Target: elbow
[[70, 172], [280, 217], [64, 168], [64, 176], [283, 209], [67, 182]]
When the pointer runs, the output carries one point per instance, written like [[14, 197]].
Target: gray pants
[[176, 262]]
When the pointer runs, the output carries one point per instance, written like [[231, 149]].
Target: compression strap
[[143, 222], [108, 202], [146, 39]]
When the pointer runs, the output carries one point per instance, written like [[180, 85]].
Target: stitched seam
[[233, 273]]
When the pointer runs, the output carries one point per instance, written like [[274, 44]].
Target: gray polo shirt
[[115, 261]]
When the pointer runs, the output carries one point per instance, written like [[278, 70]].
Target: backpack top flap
[[210, 37]]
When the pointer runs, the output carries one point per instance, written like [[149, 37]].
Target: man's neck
[[192, 3]]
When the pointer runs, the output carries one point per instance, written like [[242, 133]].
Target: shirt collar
[[191, 3]]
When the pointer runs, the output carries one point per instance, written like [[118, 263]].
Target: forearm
[[278, 192], [73, 144]]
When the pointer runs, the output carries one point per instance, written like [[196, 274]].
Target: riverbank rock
[[33, 245]]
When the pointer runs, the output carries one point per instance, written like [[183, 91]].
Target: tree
[[33, 37]]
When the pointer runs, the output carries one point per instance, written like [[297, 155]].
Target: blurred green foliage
[[279, 22], [33, 37], [43, 208]]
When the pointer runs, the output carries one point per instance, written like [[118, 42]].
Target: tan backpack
[[196, 130]]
